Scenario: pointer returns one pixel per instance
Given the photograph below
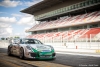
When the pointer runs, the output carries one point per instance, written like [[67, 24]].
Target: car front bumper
[[41, 55]]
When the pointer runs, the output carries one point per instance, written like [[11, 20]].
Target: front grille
[[45, 56], [33, 54]]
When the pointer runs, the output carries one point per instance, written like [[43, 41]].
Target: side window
[[36, 42]]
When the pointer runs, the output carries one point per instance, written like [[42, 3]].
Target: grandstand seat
[[67, 35], [91, 33], [82, 33], [88, 17]]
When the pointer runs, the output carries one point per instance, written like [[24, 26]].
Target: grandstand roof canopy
[[41, 5]]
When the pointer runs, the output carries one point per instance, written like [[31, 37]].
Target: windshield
[[30, 41]]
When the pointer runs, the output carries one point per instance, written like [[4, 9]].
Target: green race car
[[31, 48]]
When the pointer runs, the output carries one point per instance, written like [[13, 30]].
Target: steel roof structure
[[41, 5]]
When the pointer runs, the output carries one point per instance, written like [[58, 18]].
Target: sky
[[12, 21]]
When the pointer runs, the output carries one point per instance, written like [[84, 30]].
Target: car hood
[[40, 47]]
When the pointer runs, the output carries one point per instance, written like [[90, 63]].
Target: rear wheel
[[9, 51], [21, 53]]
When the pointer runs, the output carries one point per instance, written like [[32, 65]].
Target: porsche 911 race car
[[31, 48]]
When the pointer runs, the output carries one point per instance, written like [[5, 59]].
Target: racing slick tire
[[9, 51], [21, 53]]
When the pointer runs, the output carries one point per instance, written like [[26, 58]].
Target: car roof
[[28, 38]]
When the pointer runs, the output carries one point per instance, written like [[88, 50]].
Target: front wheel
[[21, 53]]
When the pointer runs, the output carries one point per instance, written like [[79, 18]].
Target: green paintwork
[[40, 54]]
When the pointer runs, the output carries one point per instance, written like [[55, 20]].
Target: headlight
[[28, 47], [51, 47]]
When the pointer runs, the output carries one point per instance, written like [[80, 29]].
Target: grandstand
[[66, 22]]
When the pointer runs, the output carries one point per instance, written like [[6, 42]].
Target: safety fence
[[85, 38], [90, 42]]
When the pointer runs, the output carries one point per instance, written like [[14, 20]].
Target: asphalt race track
[[62, 60]]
